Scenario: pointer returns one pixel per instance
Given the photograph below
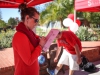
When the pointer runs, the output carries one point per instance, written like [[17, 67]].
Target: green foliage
[[92, 17], [95, 17], [97, 31], [6, 38], [85, 35], [56, 11], [12, 21], [94, 38], [2, 24], [0, 15]]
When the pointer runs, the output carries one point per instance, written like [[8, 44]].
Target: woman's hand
[[42, 41], [55, 59]]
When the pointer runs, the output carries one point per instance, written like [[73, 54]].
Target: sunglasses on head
[[35, 20]]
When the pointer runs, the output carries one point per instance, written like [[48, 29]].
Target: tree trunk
[[62, 23]]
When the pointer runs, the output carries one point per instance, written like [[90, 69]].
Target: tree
[[92, 17], [0, 15], [12, 22], [2, 24], [57, 11], [17, 20]]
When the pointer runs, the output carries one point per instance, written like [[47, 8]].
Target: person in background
[[71, 55], [27, 46]]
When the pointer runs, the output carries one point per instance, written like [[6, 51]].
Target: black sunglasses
[[36, 20]]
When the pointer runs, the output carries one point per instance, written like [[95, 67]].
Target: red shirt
[[25, 55], [68, 40]]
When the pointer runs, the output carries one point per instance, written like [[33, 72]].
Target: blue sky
[[13, 12], [7, 13]]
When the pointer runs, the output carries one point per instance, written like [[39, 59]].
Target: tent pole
[[74, 15]]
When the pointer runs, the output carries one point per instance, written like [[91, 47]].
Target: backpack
[[86, 65]]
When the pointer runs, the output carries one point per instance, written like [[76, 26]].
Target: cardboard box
[[50, 37]]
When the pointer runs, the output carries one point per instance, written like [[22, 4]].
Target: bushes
[[97, 30], [6, 38], [86, 34]]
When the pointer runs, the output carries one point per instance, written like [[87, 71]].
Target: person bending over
[[71, 55]]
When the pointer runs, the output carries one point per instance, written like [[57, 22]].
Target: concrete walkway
[[81, 72]]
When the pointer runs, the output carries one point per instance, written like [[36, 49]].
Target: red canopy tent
[[16, 3], [87, 5]]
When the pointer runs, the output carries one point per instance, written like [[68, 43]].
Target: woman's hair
[[24, 10]]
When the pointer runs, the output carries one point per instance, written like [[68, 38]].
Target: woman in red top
[[71, 52], [26, 44]]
